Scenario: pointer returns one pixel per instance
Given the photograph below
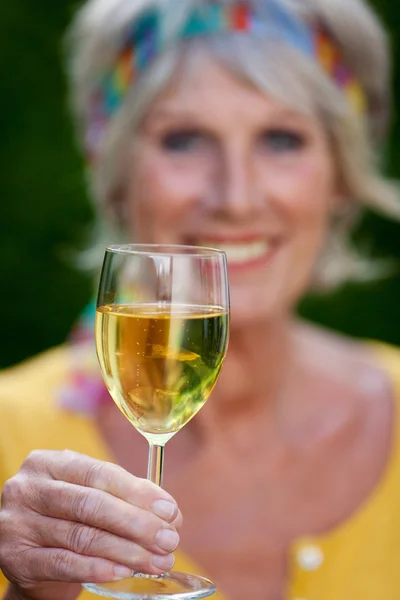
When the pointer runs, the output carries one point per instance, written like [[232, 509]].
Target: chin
[[249, 309], [262, 301]]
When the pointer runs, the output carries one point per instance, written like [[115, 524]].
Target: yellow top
[[359, 560]]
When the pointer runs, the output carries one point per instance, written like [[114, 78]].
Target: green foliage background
[[45, 213]]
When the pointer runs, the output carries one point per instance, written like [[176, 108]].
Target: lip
[[231, 238], [252, 263]]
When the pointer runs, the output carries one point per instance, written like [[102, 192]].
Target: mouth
[[242, 253]]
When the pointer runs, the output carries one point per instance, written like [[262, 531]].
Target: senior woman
[[249, 126]]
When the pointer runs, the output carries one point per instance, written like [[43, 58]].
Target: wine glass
[[162, 328]]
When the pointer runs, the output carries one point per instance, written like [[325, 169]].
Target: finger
[[54, 564], [103, 511], [178, 522], [88, 541], [88, 472]]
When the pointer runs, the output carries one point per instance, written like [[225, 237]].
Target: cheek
[[160, 194], [304, 192]]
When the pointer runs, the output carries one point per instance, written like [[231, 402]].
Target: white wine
[[160, 362]]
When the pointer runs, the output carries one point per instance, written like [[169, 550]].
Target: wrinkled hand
[[68, 518]]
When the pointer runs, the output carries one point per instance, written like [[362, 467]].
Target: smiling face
[[218, 163]]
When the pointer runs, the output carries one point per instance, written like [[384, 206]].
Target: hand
[[68, 518]]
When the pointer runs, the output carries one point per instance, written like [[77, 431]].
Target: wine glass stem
[[155, 465]]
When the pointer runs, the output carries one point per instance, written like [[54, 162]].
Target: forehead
[[211, 92]]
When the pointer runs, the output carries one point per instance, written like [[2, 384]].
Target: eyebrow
[[171, 113], [184, 114]]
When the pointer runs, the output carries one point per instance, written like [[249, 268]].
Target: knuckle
[[9, 557], [14, 534], [82, 539], [111, 471], [14, 541], [95, 570], [69, 454], [145, 563], [87, 503], [54, 497], [7, 491], [34, 460], [15, 490], [69, 457], [94, 474], [20, 564], [44, 498], [5, 522], [4, 554], [101, 474], [140, 560], [145, 490], [144, 527], [62, 564]]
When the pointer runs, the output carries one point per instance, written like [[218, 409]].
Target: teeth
[[241, 253]]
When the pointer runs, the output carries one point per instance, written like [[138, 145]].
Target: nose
[[237, 195]]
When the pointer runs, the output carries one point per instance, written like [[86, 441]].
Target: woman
[[248, 126]]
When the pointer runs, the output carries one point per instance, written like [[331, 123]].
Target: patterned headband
[[146, 40]]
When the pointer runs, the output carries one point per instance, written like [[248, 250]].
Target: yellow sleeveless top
[[359, 560]]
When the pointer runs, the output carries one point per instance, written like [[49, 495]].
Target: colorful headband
[[146, 40]]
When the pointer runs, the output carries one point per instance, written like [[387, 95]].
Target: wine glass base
[[171, 586]]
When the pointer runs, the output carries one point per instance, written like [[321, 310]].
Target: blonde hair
[[273, 67]]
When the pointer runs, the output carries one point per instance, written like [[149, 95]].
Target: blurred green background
[[46, 214]]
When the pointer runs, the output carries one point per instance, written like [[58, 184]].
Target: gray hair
[[273, 67]]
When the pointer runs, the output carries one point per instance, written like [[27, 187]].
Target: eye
[[282, 140], [181, 141]]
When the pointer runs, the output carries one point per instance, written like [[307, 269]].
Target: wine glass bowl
[[160, 363], [162, 329]]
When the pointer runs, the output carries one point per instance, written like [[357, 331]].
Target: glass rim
[[165, 250]]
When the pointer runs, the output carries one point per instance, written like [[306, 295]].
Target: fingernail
[[164, 563], [167, 539], [121, 572], [165, 509]]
